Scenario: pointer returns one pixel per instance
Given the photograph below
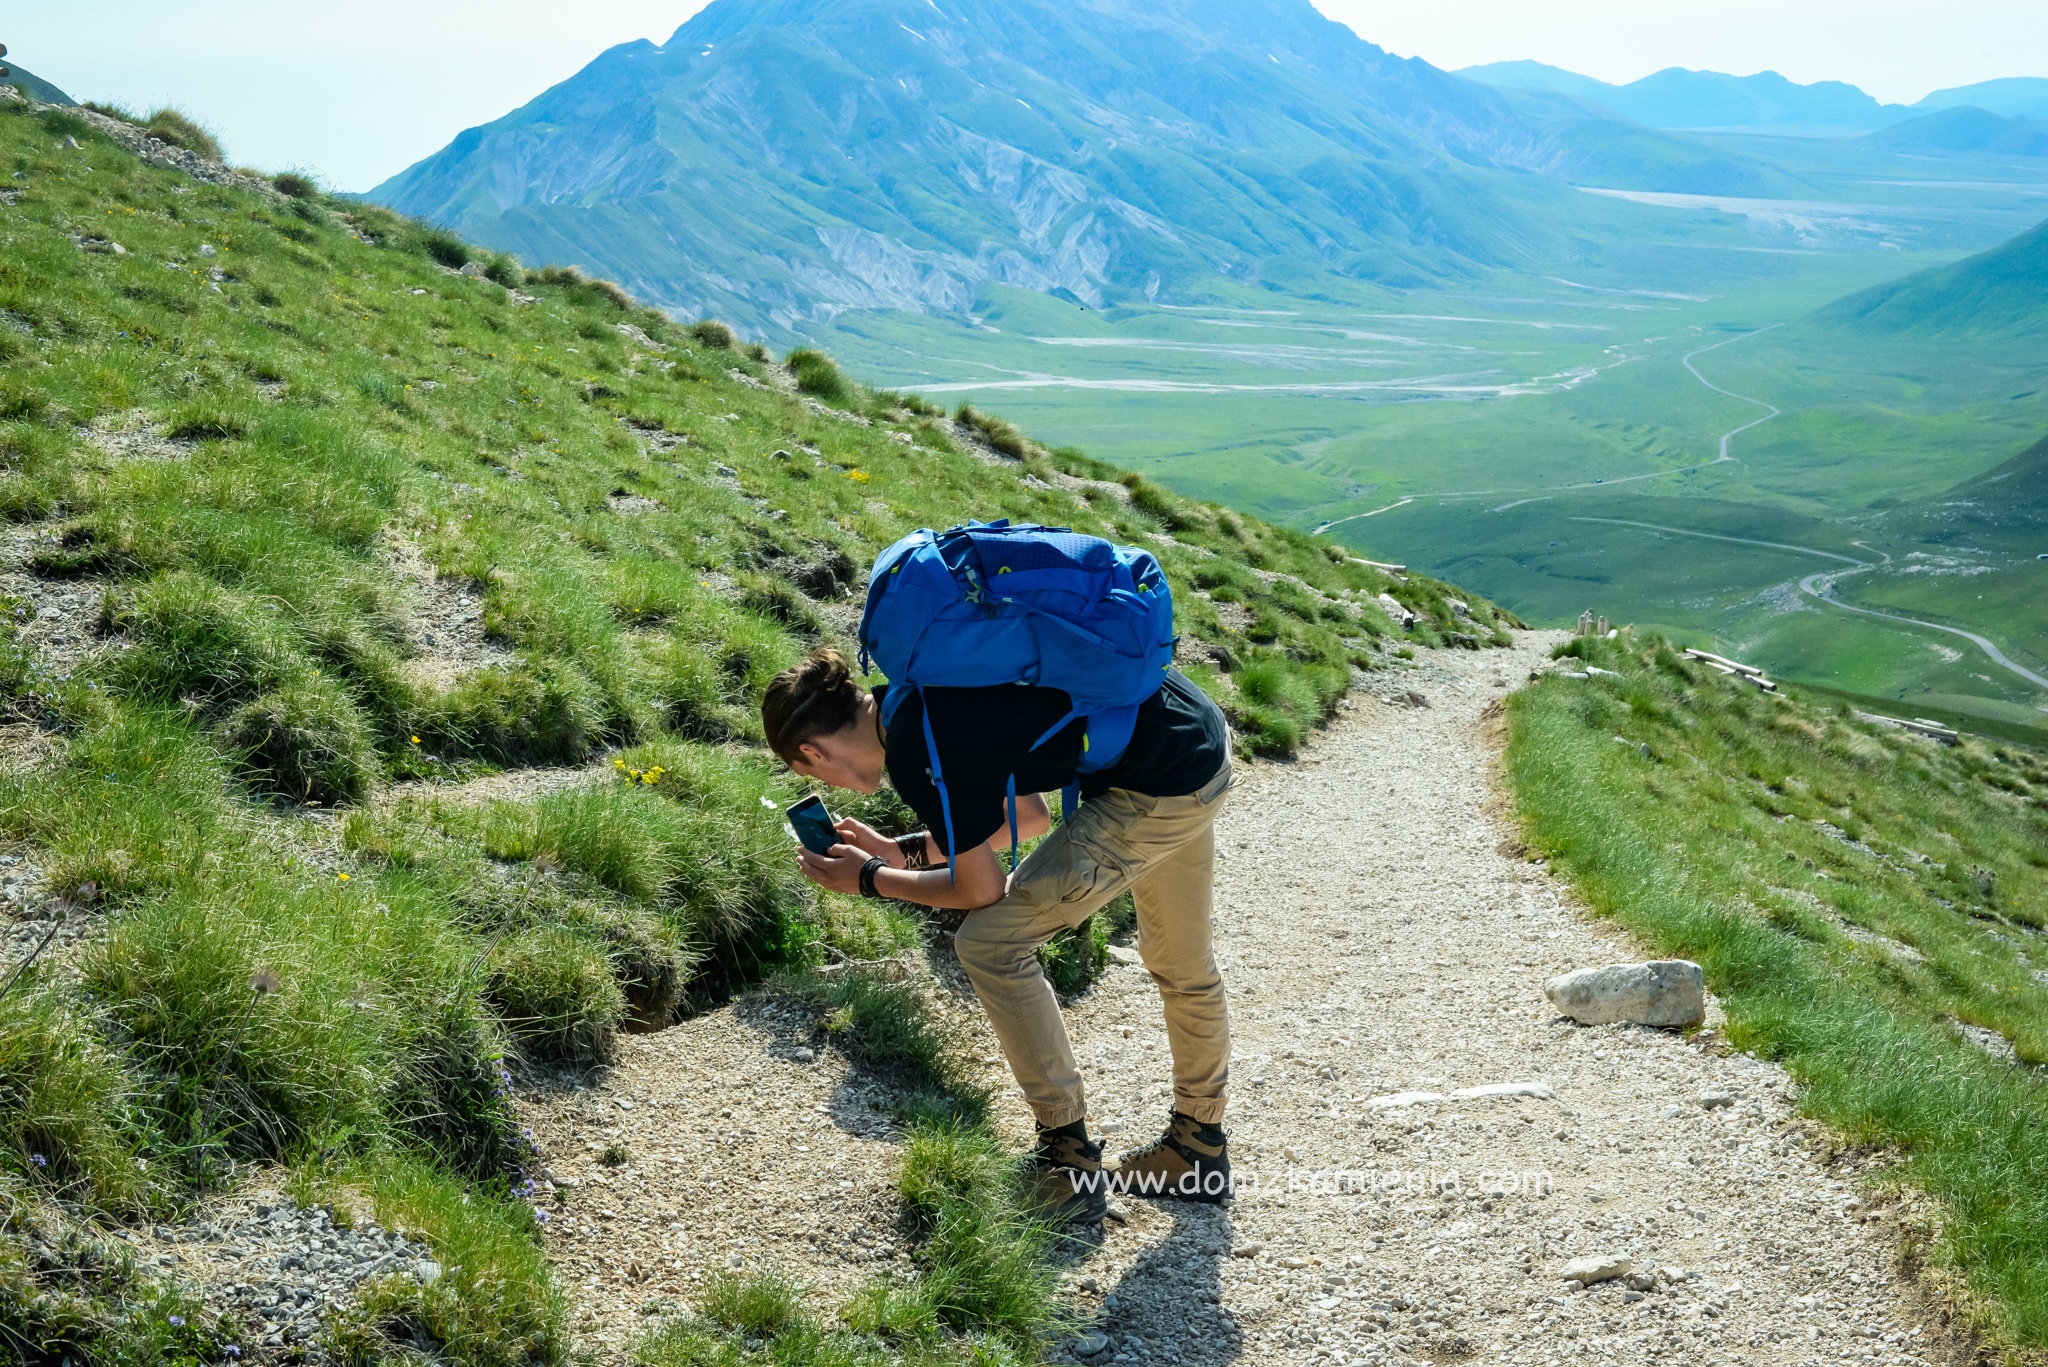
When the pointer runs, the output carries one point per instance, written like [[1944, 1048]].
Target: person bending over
[[1145, 824]]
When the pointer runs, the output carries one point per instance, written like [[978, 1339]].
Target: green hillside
[[2016, 491], [315, 516], [1998, 294], [1870, 906]]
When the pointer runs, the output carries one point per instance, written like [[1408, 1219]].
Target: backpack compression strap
[[931, 750]]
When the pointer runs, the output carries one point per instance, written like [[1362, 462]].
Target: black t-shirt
[[984, 735]]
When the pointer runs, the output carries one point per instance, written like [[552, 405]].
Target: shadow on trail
[[1168, 1305]]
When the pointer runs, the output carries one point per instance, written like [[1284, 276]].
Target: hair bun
[[815, 697], [824, 671]]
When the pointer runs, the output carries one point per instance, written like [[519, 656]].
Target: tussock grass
[[818, 377], [494, 1304], [1754, 836], [306, 741], [555, 991], [180, 130], [63, 1102]]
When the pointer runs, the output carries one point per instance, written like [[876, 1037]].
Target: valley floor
[[1381, 933]]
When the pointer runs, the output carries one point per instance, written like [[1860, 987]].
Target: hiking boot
[[1190, 1162], [1064, 1179]]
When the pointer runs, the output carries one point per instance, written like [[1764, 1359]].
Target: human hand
[[835, 871], [862, 836]]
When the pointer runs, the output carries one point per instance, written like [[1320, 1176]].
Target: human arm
[[1034, 819], [975, 880]]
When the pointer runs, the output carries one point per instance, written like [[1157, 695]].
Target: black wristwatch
[[868, 871]]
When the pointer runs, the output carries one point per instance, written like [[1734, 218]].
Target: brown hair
[[815, 698]]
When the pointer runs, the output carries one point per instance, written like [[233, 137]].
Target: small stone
[[1294, 1264], [1091, 1343], [1246, 1250], [1672, 1112], [1715, 1098], [208, 249], [1599, 1268], [803, 1055], [1119, 1212], [1118, 954], [1664, 992]]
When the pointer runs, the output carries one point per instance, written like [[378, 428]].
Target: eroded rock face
[[1666, 992]]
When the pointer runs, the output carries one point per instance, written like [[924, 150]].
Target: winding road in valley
[[1821, 588]]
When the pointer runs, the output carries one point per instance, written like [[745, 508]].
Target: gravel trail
[[1381, 933]]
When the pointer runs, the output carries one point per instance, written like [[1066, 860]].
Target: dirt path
[[1379, 937]]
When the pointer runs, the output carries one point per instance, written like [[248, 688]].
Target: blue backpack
[[989, 603]]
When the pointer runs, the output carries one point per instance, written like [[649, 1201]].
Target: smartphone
[[813, 825]]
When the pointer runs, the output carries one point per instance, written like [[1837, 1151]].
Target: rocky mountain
[[785, 160], [1676, 98]]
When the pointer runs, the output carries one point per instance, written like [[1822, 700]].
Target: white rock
[[1090, 1343], [1664, 992], [1118, 954], [1392, 606], [1599, 1268], [1540, 1090], [1396, 1100], [1714, 1098]]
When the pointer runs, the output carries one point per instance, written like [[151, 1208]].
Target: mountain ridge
[[1681, 99], [34, 86], [785, 160]]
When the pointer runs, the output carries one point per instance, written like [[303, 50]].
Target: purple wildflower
[[177, 1321], [39, 1160]]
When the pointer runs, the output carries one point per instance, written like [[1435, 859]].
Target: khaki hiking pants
[[1163, 850]]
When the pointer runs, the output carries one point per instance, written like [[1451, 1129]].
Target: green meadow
[[1473, 431]]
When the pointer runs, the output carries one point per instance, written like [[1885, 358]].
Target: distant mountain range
[[780, 161], [33, 86], [1679, 99], [1703, 101]]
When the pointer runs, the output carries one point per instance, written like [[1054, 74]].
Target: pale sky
[[357, 96]]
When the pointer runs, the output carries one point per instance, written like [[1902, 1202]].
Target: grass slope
[[2001, 293], [275, 437], [1855, 895]]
